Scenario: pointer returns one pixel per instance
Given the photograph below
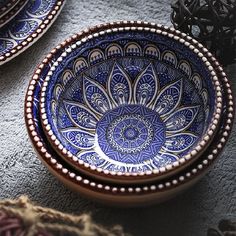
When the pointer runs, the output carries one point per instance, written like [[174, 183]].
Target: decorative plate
[[130, 101], [32, 22], [112, 194], [13, 12], [6, 6]]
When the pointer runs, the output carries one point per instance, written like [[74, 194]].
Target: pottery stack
[[129, 113], [23, 22]]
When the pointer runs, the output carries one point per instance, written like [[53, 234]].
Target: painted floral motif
[[25, 24], [127, 126]]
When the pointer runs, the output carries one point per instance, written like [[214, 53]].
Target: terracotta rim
[[71, 176], [13, 12], [180, 179], [43, 27], [6, 8], [128, 26]]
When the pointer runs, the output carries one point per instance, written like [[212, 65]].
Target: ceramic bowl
[[27, 27], [117, 194], [13, 12], [130, 101]]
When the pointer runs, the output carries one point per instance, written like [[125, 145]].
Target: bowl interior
[[130, 101]]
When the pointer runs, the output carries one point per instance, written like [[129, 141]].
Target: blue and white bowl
[[111, 193], [131, 101], [11, 14], [29, 20]]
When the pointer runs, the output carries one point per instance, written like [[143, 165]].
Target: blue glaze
[[24, 24], [130, 134], [130, 101]]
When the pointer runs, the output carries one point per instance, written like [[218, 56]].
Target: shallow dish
[[129, 102], [32, 22], [6, 6], [115, 194], [13, 12]]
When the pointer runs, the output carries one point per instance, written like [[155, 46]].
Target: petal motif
[[91, 157], [163, 159], [197, 81], [181, 119], [119, 86], [205, 96], [78, 138], [130, 169], [179, 142], [96, 96], [57, 91], [67, 76], [81, 116], [207, 111], [116, 168], [146, 86], [140, 168], [169, 98]]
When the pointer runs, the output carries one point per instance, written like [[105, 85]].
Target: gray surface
[[213, 198]]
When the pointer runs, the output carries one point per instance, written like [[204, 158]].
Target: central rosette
[[130, 133], [128, 125]]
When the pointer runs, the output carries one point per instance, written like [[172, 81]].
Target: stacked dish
[[9, 9], [22, 22], [129, 113]]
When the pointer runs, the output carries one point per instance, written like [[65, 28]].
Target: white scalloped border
[[13, 12], [43, 27], [96, 186], [207, 137], [129, 189]]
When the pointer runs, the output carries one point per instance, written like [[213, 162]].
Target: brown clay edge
[[109, 178], [75, 185], [34, 36]]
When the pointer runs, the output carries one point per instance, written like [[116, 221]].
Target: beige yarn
[[36, 219]]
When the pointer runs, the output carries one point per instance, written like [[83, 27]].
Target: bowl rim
[[6, 18], [7, 7], [155, 173], [35, 35], [84, 183], [113, 192]]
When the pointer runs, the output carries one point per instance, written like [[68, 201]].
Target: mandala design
[[25, 24], [129, 105], [130, 125], [130, 133]]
